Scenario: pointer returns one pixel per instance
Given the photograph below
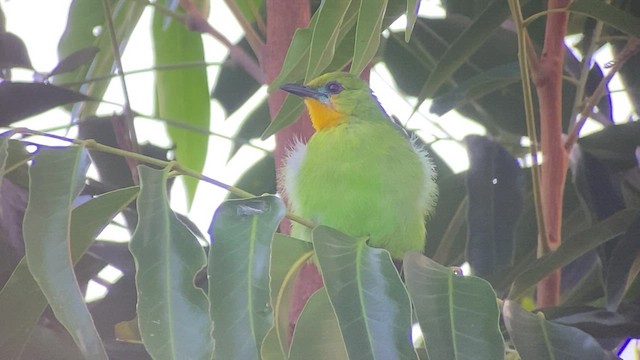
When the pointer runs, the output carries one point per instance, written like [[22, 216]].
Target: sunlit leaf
[[182, 94], [241, 232], [458, 315], [368, 31], [325, 35], [173, 314], [57, 177], [371, 303]]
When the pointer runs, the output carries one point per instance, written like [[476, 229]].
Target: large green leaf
[[458, 315], [317, 334], [182, 95], [370, 301], [536, 338], [572, 248], [329, 15], [57, 177], [368, 30], [173, 314], [241, 232], [21, 301]]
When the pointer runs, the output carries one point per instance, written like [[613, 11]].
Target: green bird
[[359, 173]]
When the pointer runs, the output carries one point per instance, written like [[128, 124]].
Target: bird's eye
[[334, 87]]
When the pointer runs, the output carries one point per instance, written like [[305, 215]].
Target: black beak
[[301, 90]]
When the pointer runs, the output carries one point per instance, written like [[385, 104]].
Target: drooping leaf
[[412, 16], [21, 100], [183, 94], [20, 313], [259, 179], [241, 232], [371, 303], [290, 111], [252, 127], [609, 14], [572, 248], [620, 264], [458, 315], [173, 314], [494, 186], [329, 15], [75, 60], [57, 177], [615, 144], [368, 31], [317, 334], [536, 338], [13, 52]]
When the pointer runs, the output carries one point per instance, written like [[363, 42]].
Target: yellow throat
[[322, 116]]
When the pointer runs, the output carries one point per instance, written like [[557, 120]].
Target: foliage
[[230, 299]]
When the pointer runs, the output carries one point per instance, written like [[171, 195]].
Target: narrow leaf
[[21, 100], [287, 115], [183, 94], [57, 176], [13, 52], [173, 314], [494, 185], [317, 334], [609, 14], [536, 338], [368, 32], [574, 247], [371, 303], [75, 60], [458, 315], [325, 35], [412, 15], [271, 349], [241, 232], [464, 46], [21, 301]]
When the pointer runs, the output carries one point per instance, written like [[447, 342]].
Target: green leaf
[[290, 111], [249, 8], [4, 153], [464, 46], [572, 248], [325, 35], [271, 349], [368, 32], [412, 16], [536, 338], [371, 303], [241, 233], [21, 301], [57, 177], [609, 14], [317, 334], [288, 255], [172, 312], [84, 17], [458, 315], [182, 95]]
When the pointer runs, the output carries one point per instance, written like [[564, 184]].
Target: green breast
[[366, 180]]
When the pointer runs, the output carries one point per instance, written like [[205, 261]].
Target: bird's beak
[[301, 90]]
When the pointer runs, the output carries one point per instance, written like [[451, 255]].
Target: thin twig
[[630, 49], [131, 140], [94, 145], [524, 56], [253, 38]]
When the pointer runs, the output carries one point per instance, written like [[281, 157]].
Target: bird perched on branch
[[360, 173]]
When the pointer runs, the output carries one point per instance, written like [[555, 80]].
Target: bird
[[360, 172]]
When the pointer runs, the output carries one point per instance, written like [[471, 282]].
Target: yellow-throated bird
[[359, 173]]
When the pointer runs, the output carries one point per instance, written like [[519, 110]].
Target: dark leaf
[[13, 52], [252, 127], [619, 265], [536, 338], [21, 100], [75, 60], [616, 145], [495, 187], [258, 179]]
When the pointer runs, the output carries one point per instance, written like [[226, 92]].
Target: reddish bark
[[554, 166], [283, 18]]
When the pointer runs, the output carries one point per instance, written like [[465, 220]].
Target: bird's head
[[333, 97]]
